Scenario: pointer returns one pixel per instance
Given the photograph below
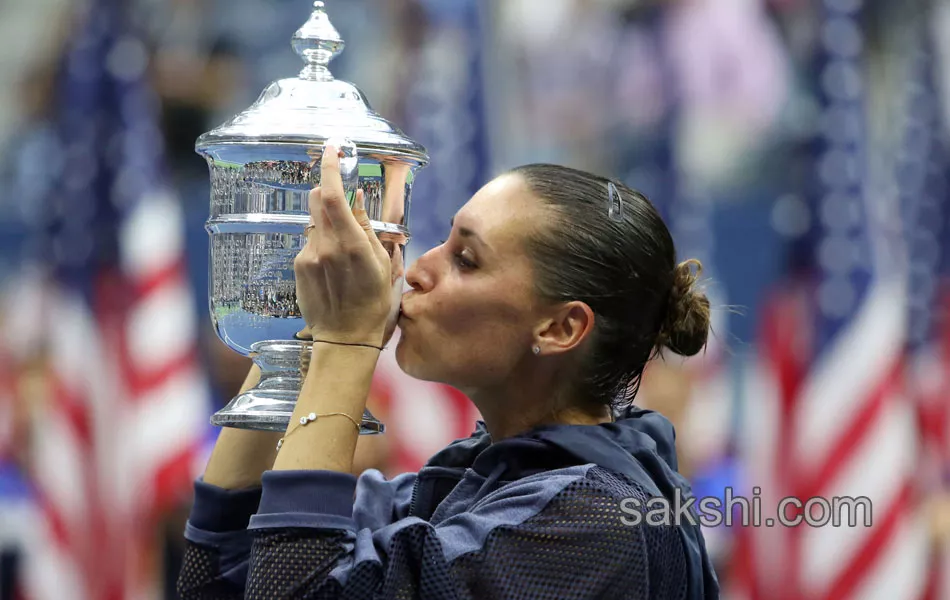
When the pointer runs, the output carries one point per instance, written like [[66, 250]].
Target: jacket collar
[[637, 439]]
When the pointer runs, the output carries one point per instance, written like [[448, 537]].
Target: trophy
[[263, 163]]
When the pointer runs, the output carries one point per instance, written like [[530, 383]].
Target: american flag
[[830, 413], [922, 181], [127, 406]]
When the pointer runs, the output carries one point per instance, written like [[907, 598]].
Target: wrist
[[342, 359], [372, 338]]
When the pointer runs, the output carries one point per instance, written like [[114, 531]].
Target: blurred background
[[798, 148]]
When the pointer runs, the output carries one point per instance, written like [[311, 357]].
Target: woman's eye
[[460, 259], [464, 262]]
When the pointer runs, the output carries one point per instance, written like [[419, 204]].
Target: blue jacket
[[545, 514]]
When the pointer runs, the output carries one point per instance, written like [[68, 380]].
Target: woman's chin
[[402, 353], [409, 361]]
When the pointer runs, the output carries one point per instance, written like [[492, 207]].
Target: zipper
[[414, 497]]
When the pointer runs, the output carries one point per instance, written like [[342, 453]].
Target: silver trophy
[[263, 164]]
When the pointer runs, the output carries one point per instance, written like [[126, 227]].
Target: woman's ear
[[571, 324]]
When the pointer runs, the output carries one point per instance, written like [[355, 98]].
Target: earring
[[537, 349]]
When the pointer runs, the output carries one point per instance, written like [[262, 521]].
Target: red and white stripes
[[846, 427], [125, 417]]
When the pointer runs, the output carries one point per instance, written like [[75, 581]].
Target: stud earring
[[537, 349]]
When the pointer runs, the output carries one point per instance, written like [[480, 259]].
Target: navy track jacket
[[539, 515]]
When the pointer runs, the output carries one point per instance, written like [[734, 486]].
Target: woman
[[552, 292]]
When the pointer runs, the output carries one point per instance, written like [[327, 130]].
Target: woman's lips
[[404, 312]]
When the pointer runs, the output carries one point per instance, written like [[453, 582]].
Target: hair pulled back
[[626, 271]]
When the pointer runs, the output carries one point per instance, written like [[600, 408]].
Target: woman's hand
[[343, 274]]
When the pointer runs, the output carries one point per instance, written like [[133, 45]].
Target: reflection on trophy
[[263, 164]]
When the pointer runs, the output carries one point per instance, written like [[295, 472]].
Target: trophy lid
[[313, 106]]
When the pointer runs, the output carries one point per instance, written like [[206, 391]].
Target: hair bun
[[686, 327]]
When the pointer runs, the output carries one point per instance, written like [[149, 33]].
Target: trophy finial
[[317, 42]]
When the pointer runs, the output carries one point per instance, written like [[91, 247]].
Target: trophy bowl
[[263, 163]]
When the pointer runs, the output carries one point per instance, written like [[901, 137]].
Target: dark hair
[[625, 270]]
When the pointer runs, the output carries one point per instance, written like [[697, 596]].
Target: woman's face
[[470, 315]]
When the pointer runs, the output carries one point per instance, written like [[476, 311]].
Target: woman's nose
[[418, 275], [412, 279]]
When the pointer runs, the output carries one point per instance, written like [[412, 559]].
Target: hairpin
[[614, 203]]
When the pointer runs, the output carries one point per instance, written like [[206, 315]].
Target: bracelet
[[380, 348], [302, 339], [308, 419]]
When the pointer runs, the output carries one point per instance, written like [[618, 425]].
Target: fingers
[[334, 225], [359, 211], [330, 177], [336, 207], [319, 223]]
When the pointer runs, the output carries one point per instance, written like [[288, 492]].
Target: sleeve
[[218, 543], [560, 536]]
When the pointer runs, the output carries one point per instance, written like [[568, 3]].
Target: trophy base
[[269, 405]]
